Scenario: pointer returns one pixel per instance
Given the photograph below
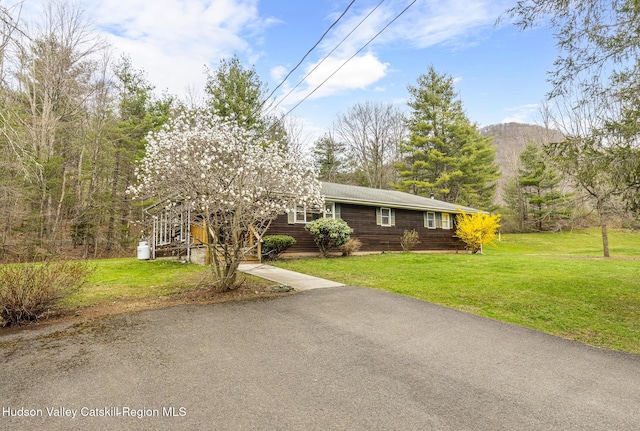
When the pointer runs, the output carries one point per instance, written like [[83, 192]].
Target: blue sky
[[500, 72]]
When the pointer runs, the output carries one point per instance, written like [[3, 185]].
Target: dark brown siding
[[362, 219], [304, 240]]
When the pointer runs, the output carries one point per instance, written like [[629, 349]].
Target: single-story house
[[378, 219]]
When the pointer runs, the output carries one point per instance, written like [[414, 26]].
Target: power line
[[308, 52], [325, 57], [350, 58]]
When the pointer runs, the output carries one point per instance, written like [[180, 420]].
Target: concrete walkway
[[283, 276]]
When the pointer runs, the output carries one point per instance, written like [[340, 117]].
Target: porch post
[[189, 234], [153, 238]]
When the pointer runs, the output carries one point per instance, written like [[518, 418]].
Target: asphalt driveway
[[343, 358]]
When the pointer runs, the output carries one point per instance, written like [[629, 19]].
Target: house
[[378, 219]]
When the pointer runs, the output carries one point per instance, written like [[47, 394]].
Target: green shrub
[[409, 240], [351, 246], [329, 233], [28, 291], [274, 245]]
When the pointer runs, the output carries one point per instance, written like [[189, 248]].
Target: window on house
[[446, 221], [306, 215], [385, 217], [430, 220], [329, 210]]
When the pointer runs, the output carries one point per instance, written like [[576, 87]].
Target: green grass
[[587, 242], [133, 279], [556, 283]]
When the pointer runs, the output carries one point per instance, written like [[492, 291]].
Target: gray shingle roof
[[387, 198]]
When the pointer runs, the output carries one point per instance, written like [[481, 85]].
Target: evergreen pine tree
[[539, 183], [328, 155], [234, 92], [446, 156]]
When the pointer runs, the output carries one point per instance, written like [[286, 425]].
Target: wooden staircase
[[252, 257], [252, 250]]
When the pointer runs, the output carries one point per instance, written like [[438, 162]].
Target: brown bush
[[409, 240], [351, 246], [28, 291]]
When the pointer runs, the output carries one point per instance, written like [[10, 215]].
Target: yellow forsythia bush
[[477, 229]]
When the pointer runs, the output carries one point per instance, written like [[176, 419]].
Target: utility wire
[[324, 58], [308, 52], [350, 58]]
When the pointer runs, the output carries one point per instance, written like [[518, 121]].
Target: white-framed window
[[434, 220], [385, 217], [306, 215], [330, 210], [430, 220], [446, 221]]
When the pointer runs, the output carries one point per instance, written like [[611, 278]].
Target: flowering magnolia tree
[[234, 181]]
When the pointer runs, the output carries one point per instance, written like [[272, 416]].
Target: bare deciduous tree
[[372, 133], [10, 190], [589, 155], [54, 70]]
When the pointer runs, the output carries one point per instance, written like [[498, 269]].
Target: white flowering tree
[[237, 183]]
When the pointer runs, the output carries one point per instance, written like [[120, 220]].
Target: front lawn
[[556, 283], [148, 282], [118, 279], [124, 285]]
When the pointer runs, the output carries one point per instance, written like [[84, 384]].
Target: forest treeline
[[73, 122]]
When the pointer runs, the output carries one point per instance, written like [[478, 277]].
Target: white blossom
[[231, 179]]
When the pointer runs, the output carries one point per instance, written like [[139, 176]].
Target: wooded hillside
[[510, 139]]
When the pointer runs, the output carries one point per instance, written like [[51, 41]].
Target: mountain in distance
[[510, 139]]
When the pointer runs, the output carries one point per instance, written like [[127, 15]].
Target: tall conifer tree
[[544, 203], [446, 156], [236, 93]]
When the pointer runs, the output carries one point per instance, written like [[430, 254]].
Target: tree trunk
[[56, 220], [603, 227], [114, 203]]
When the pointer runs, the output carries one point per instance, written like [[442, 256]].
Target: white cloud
[[426, 23], [435, 22], [351, 34], [171, 39], [523, 114], [278, 72], [358, 73]]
